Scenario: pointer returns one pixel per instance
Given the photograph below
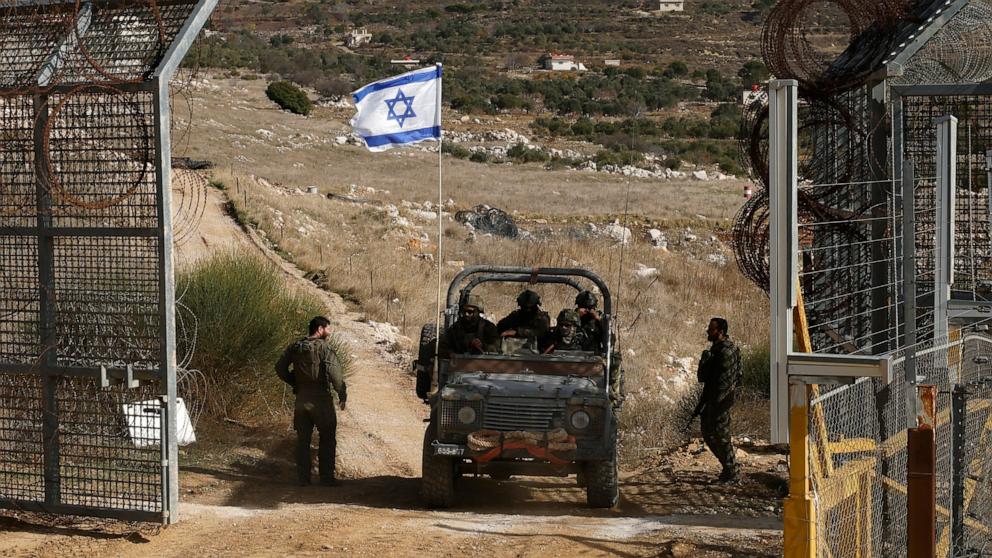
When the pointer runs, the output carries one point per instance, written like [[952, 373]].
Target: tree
[[676, 69], [289, 97], [753, 72]]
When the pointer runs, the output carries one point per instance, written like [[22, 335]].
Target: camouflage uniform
[[555, 339], [316, 370], [720, 372], [458, 338], [592, 329]]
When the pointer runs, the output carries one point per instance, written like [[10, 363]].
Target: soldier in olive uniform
[[720, 372], [592, 321], [471, 334], [313, 369], [567, 334], [592, 325], [528, 321]]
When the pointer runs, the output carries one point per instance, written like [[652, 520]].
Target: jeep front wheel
[[602, 486], [437, 482]]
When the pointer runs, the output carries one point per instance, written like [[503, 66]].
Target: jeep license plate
[[448, 450]]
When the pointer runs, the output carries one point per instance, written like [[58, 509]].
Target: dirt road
[[241, 501]]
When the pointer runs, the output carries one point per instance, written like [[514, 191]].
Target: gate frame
[[47, 368]]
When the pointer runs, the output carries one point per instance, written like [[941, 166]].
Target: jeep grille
[[515, 415]]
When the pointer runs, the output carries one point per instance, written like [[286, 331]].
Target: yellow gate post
[[799, 512]]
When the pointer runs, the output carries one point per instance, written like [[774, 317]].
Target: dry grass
[[373, 262]]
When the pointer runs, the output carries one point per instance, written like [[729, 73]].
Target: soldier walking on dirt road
[[720, 372], [316, 370]]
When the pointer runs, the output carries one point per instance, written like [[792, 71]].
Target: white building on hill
[[561, 63], [358, 37], [671, 6]]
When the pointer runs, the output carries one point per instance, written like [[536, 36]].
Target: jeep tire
[[437, 483], [602, 485], [425, 360]]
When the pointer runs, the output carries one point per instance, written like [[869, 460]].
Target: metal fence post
[[921, 478], [782, 172], [46, 297], [947, 133], [789, 403], [909, 286], [959, 417]]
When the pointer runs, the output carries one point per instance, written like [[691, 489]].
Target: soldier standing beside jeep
[[720, 372], [316, 370]]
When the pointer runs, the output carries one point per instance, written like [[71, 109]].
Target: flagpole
[[440, 214]]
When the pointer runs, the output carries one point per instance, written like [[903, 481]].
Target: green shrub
[[245, 316], [479, 157], [756, 362], [522, 153], [455, 150], [289, 97]]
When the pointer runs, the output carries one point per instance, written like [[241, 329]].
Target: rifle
[[697, 411]]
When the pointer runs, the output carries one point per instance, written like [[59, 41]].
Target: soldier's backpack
[[306, 356]]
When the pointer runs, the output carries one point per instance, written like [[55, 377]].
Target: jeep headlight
[[466, 415], [580, 420]]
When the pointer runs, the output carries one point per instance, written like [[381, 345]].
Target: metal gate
[[87, 309]]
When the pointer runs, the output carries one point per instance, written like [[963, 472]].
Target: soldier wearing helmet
[[593, 332], [592, 321], [567, 334], [528, 321], [471, 333]]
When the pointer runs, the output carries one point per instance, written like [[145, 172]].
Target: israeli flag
[[399, 110]]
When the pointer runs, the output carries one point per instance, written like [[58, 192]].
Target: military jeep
[[518, 412]]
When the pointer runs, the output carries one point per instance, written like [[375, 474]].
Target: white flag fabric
[[399, 110]]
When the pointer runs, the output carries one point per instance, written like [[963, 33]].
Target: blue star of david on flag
[[400, 110], [408, 108]]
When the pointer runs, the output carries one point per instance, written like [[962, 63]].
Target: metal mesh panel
[[105, 41], [86, 363], [110, 451], [19, 300], [21, 471], [107, 302]]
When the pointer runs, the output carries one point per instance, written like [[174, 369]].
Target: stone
[[618, 232], [642, 271], [700, 175]]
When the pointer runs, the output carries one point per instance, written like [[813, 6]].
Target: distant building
[[671, 6], [561, 63], [406, 61], [611, 63], [358, 37]]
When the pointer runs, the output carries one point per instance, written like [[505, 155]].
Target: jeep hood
[[519, 385]]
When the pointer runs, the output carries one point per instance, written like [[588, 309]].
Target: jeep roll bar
[[546, 275], [526, 275]]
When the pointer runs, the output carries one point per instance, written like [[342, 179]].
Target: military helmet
[[474, 300], [529, 298], [569, 316], [586, 299]]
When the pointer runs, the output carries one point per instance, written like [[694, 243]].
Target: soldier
[[316, 370], [528, 321], [592, 320], [471, 333], [592, 330], [567, 334], [720, 372]]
